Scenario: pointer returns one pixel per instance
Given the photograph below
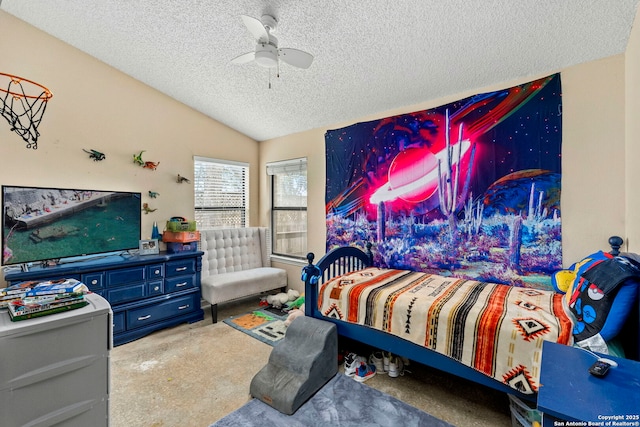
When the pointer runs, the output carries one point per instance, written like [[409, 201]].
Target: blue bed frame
[[346, 259]]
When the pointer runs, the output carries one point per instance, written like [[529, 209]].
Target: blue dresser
[[146, 293]]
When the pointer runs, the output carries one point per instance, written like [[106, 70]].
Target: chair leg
[[214, 313]]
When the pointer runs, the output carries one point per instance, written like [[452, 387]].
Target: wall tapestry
[[471, 188]]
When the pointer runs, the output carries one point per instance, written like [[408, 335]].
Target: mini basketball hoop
[[23, 103]]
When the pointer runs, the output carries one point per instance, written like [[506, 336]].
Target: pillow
[[602, 295], [563, 281], [622, 305]]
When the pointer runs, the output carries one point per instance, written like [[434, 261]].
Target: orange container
[[181, 236]]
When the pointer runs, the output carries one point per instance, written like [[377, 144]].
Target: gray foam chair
[[299, 365]]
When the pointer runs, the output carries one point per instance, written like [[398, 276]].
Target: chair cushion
[[223, 287]]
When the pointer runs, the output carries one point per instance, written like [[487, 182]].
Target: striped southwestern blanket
[[495, 329]]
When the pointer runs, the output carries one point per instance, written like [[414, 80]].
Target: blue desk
[[569, 392]]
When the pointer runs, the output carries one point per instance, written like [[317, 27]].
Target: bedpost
[[615, 242], [369, 254], [311, 276]]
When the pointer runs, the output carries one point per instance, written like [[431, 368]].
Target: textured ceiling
[[370, 56]]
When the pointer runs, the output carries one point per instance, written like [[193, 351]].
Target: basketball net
[[23, 103]]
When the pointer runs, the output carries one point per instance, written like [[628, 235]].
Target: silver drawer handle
[[94, 282], [181, 269], [156, 272], [182, 307], [181, 284], [144, 317], [156, 288]]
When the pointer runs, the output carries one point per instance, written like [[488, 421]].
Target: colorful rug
[[262, 324], [341, 402]]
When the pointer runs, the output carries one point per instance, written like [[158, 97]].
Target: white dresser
[[54, 370]]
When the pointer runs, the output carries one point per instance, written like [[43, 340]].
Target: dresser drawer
[[94, 281], [155, 288], [181, 267], [173, 307], [126, 293], [118, 322], [49, 346], [155, 271], [63, 393], [124, 276], [179, 283]]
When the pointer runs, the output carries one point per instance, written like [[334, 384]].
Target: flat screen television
[[41, 224]]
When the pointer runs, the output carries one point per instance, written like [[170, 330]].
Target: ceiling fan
[[267, 53]]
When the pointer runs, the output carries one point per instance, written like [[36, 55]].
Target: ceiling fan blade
[[295, 57], [256, 28], [244, 58]]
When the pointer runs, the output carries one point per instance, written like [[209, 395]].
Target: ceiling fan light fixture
[[267, 56]]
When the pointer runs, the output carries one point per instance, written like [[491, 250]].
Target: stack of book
[[26, 300]]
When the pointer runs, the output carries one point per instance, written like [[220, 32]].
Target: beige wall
[[593, 170], [632, 137], [593, 151], [97, 107]]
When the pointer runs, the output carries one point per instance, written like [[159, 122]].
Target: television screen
[[52, 223]]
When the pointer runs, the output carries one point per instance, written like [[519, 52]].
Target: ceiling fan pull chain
[[269, 78]]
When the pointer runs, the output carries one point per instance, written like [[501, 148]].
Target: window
[[221, 193], [289, 207]]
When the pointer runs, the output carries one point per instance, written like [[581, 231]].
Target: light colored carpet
[[193, 375]]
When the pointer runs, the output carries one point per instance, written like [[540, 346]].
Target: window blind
[[221, 193], [287, 166]]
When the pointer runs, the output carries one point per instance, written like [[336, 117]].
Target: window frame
[[280, 168]]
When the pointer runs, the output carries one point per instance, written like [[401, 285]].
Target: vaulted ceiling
[[369, 56]]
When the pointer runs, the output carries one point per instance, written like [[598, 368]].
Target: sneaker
[[377, 360], [385, 361], [365, 371], [351, 363], [396, 366]]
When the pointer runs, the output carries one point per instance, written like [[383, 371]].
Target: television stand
[[146, 292]]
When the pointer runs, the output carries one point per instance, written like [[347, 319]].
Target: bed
[[488, 333]]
